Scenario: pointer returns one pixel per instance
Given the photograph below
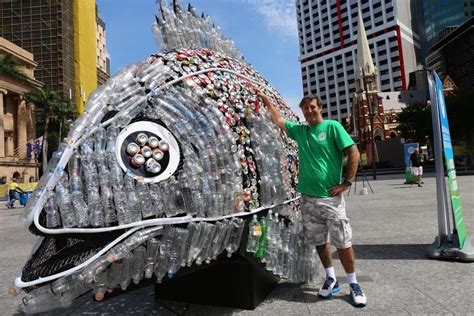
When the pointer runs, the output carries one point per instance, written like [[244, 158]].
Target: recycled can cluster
[[147, 152]]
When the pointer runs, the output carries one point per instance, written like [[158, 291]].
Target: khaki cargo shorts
[[324, 220]]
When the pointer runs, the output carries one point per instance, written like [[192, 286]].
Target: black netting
[[62, 252]]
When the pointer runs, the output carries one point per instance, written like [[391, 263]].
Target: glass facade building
[[441, 16]]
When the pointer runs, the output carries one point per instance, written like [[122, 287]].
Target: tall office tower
[[328, 47], [44, 28], [103, 62], [443, 16], [61, 34]]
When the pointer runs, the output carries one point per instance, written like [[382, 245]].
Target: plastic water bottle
[[63, 199], [204, 253], [262, 243], [255, 232], [144, 199], [132, 199], [150, 256], [115, 273], [125, 276], [235, 236], [100, 285], [53, 218], [179, 242], [138, 264]]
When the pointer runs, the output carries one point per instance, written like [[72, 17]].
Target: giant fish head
[[179, 138]]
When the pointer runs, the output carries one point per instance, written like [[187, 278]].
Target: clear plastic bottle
[[255, 232], [179, 242], [63, 199], [115, 274], [138, 264], [132, 199], [204, 253], [194, 230], [144, 199], [100, 286], [125, 275], [235, 236], [150, 256], [53, 217]]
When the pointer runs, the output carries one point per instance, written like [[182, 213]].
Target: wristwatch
[[347, 183]]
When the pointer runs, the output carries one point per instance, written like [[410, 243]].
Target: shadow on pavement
[[392, 252]]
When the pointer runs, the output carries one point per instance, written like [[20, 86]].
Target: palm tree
[[51, 110]]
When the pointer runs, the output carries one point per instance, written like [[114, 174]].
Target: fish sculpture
[[169, 161]]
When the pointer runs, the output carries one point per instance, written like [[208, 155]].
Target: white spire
[[364, 58]]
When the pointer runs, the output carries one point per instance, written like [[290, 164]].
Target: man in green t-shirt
[[322, 145]]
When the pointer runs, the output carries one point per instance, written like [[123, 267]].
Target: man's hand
[[277, 118], [339, 189], [260, 93]]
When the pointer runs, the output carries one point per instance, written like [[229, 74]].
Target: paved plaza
[[392, 230]]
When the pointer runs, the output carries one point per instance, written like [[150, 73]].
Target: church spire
[[364, 58]]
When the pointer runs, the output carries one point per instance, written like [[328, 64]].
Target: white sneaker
[[329, 287], [358, 297]]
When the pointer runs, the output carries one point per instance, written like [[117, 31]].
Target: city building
[[44, 28], [441, 17], [62, 35], [453, 56], [103, 62], [328, 42], [17, 120]]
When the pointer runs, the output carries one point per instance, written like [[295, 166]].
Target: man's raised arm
[[277, 118]]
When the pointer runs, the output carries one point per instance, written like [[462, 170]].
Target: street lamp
[[371, 121]]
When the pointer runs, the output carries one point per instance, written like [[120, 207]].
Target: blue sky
[[263, 30]]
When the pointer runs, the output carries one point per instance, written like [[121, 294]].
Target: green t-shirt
[[320, 151]]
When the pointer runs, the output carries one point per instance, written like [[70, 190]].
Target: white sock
[[351, 278], [330, 272]]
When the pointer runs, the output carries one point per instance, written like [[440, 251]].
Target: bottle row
[[162, 252]]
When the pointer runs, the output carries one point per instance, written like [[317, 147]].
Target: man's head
[[417, 151], [311, 107]]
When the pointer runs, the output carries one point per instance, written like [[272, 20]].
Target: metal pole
[[440, 191], [371, 114]]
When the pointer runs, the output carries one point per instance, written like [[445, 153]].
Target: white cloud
[[279, 15]]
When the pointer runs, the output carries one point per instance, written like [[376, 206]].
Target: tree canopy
[[11, 68], [52, 115]]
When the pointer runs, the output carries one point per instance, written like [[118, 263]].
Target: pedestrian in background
[[416, 163], [13, 190]]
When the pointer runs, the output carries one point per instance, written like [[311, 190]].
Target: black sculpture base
[[240, 281]]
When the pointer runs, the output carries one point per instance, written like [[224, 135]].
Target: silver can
[[164, 146], [152, 166], [137, 160], [158, 154], [153, 142], [142, 139], [132, 149], [146, 152]]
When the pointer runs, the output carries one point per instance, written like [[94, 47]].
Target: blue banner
[[450, 168]]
